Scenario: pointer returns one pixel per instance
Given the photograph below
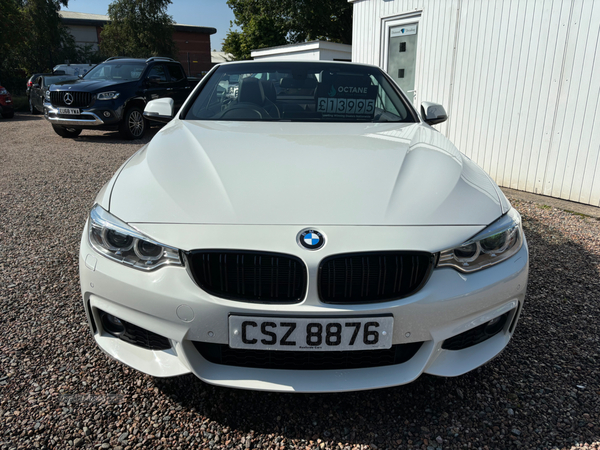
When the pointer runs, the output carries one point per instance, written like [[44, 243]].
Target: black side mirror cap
[[433, 113]]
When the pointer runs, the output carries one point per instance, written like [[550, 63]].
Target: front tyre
[[66, 132], [133, 125]]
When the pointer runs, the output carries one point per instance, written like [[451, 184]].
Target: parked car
[[328, 240], [112, 96], [73, 69], [39, 90], [6, 106], [35, 75], [30, 83]]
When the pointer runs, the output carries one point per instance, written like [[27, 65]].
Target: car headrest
[[269, 90], [251, 91]]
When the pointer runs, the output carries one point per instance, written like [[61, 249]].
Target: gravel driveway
[[58, 390]]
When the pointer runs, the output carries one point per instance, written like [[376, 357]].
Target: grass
[[20, 103], [585, 216]]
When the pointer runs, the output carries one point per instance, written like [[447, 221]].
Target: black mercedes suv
[[112, 96]]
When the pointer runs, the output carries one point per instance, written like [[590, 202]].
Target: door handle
[[169, 89]]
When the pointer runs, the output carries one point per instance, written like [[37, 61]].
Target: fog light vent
[[476, 335], [133, 334], [112, 324]]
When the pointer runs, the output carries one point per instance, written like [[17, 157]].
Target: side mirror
[[160, 110], [433, 113]]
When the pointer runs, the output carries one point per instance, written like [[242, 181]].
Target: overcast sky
[[207, 13]]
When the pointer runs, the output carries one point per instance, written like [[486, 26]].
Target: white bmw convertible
[[299, 227]]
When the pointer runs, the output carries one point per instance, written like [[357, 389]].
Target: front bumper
[[448, 305], [89, 118], [6, 107]]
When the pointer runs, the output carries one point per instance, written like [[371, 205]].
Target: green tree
[[13, 26], [139, 29], [267, 23], [33, 39], [87, 54], [11, 38], [259, 31], [48, 42]]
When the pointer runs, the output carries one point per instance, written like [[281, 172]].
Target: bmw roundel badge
[[311, 239]]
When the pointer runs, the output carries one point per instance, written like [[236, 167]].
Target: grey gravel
[[58, 390]]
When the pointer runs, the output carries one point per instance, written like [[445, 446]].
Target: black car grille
[[143, 338], [373, 277], [249, 276], [80, 99], [265, 359]]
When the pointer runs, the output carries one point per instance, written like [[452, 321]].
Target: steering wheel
[[245, 110]]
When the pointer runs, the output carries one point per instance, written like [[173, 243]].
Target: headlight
[[496, 243], [110, 95], [47, 95], [118, 241], [3, 92]]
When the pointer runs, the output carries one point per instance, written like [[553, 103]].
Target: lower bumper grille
[[259, 277], [373, 277], [143, 338], [264, 359], [475, 335]]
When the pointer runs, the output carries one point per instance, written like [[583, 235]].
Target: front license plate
[[68, 111], [311, 334]]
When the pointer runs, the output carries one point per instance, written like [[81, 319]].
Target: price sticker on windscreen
[[347, 100]]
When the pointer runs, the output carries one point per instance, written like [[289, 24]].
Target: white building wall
[[84, 35], [306, 55], [519, 80], [306, 51]]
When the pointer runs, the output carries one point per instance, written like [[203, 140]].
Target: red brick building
[[193, 48], [193, 42]]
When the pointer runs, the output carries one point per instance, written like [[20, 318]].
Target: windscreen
[[295, 91], [48, 81], [116, 72]]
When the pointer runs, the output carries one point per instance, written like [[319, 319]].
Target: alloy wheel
[[136, 123]]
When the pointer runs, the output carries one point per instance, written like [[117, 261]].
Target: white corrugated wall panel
[[577, 101], [434, 71], [519, 80], [590, 181], [553, 48], [534, 104], [487, 110], [566, 107]]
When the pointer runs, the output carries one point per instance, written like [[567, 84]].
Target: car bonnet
[[201, 172]]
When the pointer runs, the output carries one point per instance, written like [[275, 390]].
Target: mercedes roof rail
[[159, 58]]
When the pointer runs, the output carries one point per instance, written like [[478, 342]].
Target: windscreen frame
[[261, 67]]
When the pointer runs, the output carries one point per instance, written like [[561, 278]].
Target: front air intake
[[313, 360], [476, 335]]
